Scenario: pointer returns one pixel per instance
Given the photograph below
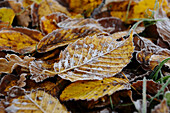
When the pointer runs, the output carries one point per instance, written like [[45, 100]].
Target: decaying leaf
[[163, 27], [12, 61], [161, 108], [7, 15], [44, 8], [62, 37], [16, 41], [21, 81], [22, 14], [88, 90], [39, 102], [36, 69], [49, 23], [4, 25], [150, 55], [94, 58]]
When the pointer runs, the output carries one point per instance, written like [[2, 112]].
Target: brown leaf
[[88, 90], [12, 61], [149, 54], [23, 18], [16, 41], [161, 108], [65, 36], [163, 27], [94, 58], [21, 81], [2, 108], [37, 68], [49, 23], [44, 8]]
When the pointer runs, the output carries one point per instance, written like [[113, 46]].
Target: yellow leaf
[[49, 23], [62, 37], [88, 90], [94, 58], [7, 15], [36, 102], [16, 41]]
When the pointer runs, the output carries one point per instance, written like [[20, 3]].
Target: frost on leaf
[[12, 61], [37, 70], [149, 54], [38, 101], [49, 23], [163, 27], [62, 37], [161, 108], [94, 58], [82, 90]]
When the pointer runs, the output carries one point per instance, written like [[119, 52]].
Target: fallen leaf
[[161, 108], [7, 15], [4, 25], [49, 23], [88, 90], [16, 41], [94, 58], [44, 8], [34, 34], [62, 37], [2, 108], [12, 61], [36, 69], [38, 101], [21, 81], [163, 27], [150, 55], [22, 16]]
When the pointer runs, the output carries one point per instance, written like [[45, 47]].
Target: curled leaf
[[12, 61], [88, 90], [94, 58]]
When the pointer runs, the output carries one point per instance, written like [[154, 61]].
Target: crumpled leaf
[[16, 41], [7, 15], [88, 90], [62, 37], [149, 54], [39, 102], [44, 8], [36, 69], [94, 58], [21, 81], [12, 61], [163, 27], [23, 18], [49, 23], [161, 108]]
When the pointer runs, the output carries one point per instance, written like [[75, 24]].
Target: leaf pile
[[84, 56]]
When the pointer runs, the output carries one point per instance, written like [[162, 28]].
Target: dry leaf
[[21, 81], [94, 58], [163, 27], [36, 69], [161, 108], [88, 90], [44, 8], [49, 23], [4, 25], [37, 102], [12, 61], [150, 55], [16, 41], [2, 108], [62, 37], [7, 15], [23, 18], [33, 33]]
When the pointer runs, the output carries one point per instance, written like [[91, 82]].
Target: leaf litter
[[67, 56]]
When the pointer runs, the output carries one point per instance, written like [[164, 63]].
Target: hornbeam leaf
[[82, 90], [94, 58]]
